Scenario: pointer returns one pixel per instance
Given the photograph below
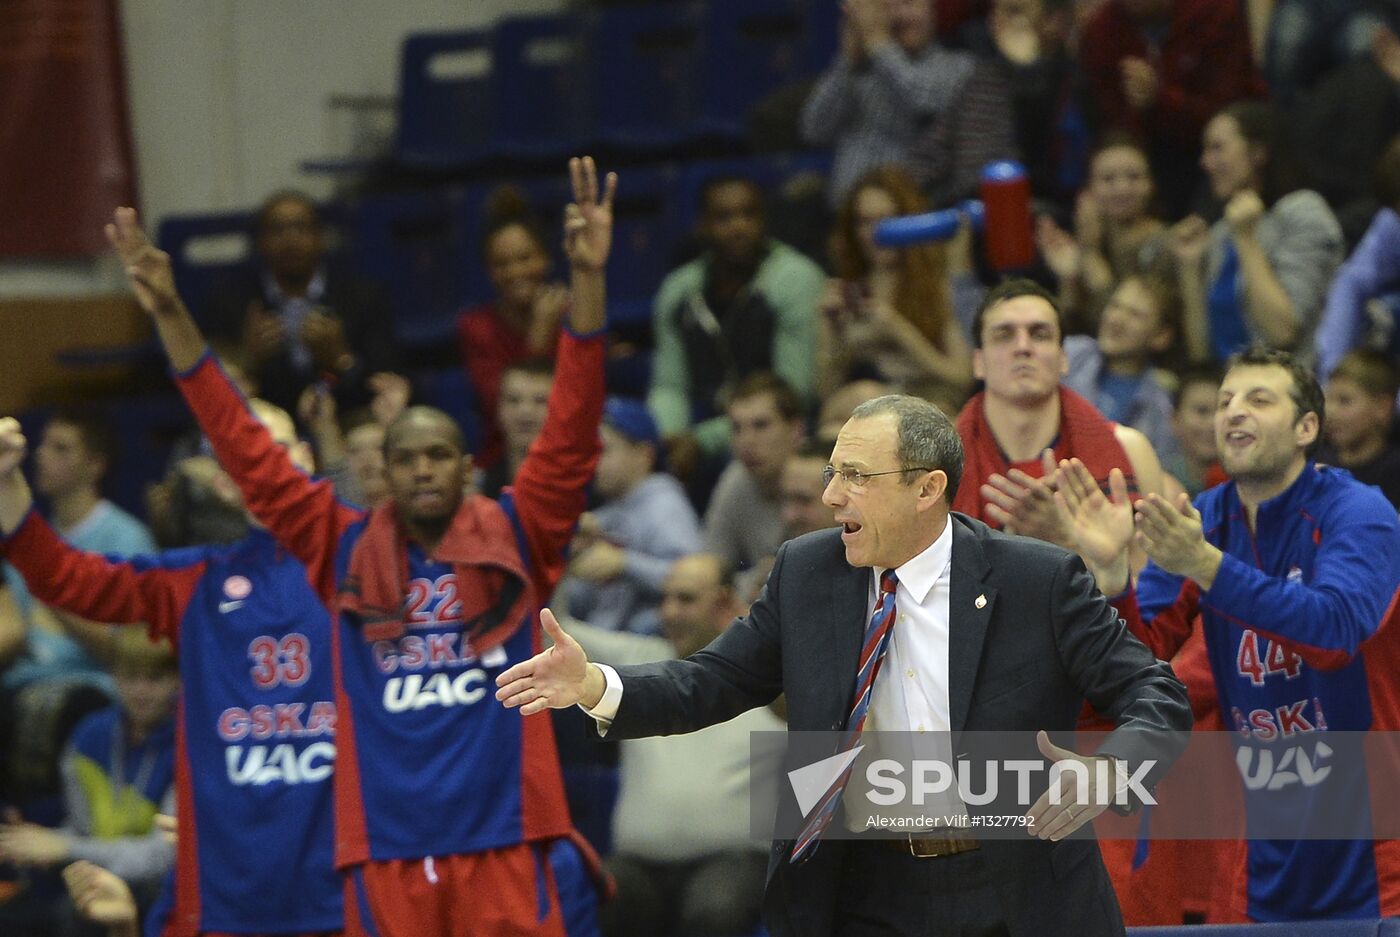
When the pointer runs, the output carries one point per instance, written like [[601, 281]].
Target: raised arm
[[71, 580], [303, 515], [551, 485]]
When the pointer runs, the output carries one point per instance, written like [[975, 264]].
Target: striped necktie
[[872, 655]]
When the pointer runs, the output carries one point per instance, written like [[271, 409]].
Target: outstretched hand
[[587, 221], [556, 678], [1075, 804], [148, 268]]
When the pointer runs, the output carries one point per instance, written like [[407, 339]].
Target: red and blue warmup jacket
[[1303, 635], [255, 731], [430, 763]]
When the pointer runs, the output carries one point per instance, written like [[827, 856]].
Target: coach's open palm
[[555, 679]]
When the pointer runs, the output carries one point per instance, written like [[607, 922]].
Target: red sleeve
[[551, 486], [91, 586], [1170, 628], [302, 514]]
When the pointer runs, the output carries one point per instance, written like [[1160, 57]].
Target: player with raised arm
[[450, 811], [255, 732]]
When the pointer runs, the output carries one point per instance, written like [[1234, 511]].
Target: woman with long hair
[[888, 314], [1116, 233], [1260, 273], [522, 322]]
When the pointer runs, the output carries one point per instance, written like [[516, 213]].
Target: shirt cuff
[[606, 710]]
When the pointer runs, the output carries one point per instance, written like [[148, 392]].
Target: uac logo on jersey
[[1294, 767], [263, 764], [441, 689]]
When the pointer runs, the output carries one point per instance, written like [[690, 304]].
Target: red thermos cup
[[1006, 196]]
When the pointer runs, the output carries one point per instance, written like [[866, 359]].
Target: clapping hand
[[13, 448], [1243, 211], [1101, 527], [1140, 82], [1026, 506], [1174, 540], [588, 222], [391, 395], [1189, 238], [147, 267]]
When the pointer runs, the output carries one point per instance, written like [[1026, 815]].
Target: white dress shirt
[[911, 689]]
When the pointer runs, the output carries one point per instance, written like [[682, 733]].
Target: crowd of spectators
[[1205, 177]]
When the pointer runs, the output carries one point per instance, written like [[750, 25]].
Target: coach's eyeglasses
[[854, 479]]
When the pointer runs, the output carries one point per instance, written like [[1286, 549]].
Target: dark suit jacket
[[363, 308], [1045, 641]]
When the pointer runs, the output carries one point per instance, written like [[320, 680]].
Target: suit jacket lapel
[[848, 603], [968, 617]]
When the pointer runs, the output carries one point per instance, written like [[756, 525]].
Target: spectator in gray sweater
[[894, 95], [1260, 274]]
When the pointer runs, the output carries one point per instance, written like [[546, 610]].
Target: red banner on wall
[[65, 140]]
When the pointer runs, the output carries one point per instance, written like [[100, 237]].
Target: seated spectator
[[1160, 69], [522, 321], [1025, 422], [748, 304], [744, 522], [894, 95], [1363, 302], [888, 314], [1115, 371], [1197, 463], [118, 774], [520, 412], [1260, 274], [1028, 40], [1345, 124], [76, 450], [802, 489], [685, 859], [349, 450], [1115, 232], [1361, 419], [297, 318], [1308, 39], [838, 406], [644, 524]]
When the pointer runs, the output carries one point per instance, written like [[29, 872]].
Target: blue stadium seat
[[751, 48], [823, 19], [445, 100], [206, 250], [642, 69], [450, 391], [540, 105], [415, 245], [645, 234]]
